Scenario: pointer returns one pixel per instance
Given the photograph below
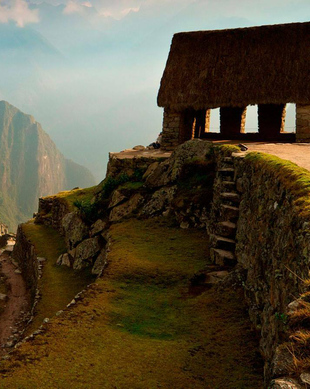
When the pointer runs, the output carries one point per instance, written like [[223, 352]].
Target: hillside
[[31, 166]]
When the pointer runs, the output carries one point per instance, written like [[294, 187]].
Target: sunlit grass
[[59, 284], [139, 327]]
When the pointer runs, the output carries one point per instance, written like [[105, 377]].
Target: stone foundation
[[302, 123]]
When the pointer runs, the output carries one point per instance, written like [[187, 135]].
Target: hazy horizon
[[89, 71]]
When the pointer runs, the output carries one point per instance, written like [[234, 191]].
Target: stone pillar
[[177, 128], [171, 128], [271, 120], [302, 123], [232, 120], [186, 126]]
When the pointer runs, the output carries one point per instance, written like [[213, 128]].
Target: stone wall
[[51, 211], [129, 166], [302, 123], [272, 248], [26, 257], [171, 129]]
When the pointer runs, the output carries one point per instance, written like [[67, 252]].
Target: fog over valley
[[89, 71]]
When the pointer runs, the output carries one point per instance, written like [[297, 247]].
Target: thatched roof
[[238, 67]]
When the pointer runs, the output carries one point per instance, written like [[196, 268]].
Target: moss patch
[[293, 177], [59, 284], [139, 327], [71, 196], [227, 150]]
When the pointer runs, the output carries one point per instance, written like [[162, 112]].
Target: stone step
[[228, 185], [231, 196], [226, 172], [227, 229], [228, 160], [222, 257], [221, 242], [228, 212]]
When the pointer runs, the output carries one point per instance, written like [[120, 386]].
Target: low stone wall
[[51, 211], [130, 166], [26, 257]]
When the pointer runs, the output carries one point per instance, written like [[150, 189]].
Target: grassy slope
[[59, 284], [139, 327]]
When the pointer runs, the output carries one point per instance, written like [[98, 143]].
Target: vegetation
[[70, 197], [59, 284], [227, 149], [294, 178], [142, 325]]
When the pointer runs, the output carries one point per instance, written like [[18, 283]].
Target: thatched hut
[[231, 69]]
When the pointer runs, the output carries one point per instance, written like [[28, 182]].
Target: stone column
[[232, 120], [177, 128], [171, 128], [271, 120], [302, 123], [187, 120]]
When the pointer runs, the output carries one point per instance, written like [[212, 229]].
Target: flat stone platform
[[298, 153], [131, 153]]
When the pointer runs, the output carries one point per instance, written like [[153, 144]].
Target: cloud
[[127, 10], [73, 7], [18, 12]]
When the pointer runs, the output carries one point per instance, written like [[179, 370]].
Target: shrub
[[87, 210]]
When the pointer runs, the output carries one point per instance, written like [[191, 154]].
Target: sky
[[89, 70]]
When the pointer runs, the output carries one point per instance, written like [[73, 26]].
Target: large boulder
[[99, 264], [117, 198], [98, 227], [74, 229], [85, 253], [169, 171], [160, 201]]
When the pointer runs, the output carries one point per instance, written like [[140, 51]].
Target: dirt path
[[16, 304]]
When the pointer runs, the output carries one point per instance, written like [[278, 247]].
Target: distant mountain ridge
[[31, 166]]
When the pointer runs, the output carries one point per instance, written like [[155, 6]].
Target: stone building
[[231, 69]]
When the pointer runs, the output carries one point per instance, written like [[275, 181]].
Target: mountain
[[31, 166]]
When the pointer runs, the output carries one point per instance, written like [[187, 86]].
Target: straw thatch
[[238, 67]]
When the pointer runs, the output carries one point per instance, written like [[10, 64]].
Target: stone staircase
[[222, 240]]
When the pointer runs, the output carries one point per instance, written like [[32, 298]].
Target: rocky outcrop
[[73, 229], [169, 171]]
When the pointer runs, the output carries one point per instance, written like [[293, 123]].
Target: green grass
[[71, 196], [227, 150], [59, 284], [140, 326]]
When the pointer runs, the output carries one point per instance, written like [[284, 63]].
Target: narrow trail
[[17, 302]]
